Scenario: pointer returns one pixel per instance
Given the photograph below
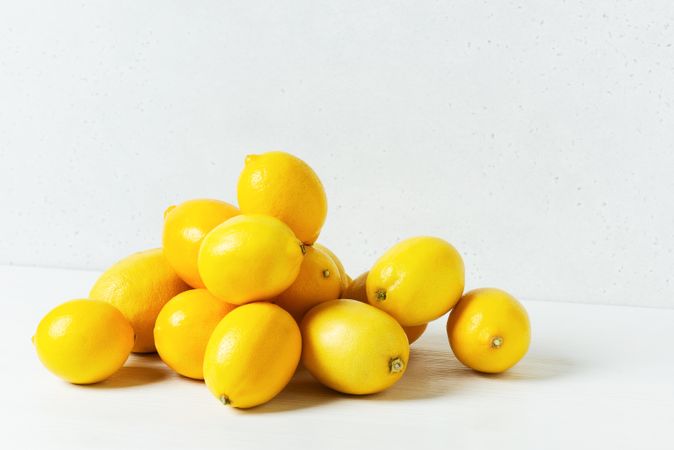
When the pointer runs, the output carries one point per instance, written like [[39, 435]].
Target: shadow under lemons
[[533, 368], [430, 373], [302, 392], [139, 370], [434, 371]]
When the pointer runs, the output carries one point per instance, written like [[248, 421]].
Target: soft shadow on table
[[302, 392], [430, 373], [534, 369], [138, 370], [433, 371]]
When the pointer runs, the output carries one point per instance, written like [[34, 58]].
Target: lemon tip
[[497, 342], [396, 364], [168, 210]]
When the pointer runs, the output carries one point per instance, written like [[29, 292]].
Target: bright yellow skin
[[281, 185], [356, 290], [139, 286], [318, 281], [185, 226], [343, 276], [489, 330], [249, 258], [353, 347], [183, 328], [417, 280], [83, 341], [252, 355]]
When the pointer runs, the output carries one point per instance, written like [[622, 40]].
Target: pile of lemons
[[239, 296]]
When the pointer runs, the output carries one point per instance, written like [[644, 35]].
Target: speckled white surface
[[535, 136]]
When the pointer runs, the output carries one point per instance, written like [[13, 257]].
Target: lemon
[[318, 281], [417, 280], [183, 327], [356, 291], [489, 330], [414, 332], [249, 258], [343, 276], [252, 355], [83, 341], [281, 185], [353, 347], [185, 226], [139, 286]]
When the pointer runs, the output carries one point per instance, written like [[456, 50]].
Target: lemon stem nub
[[326, 273], [497, 342], [304, 248], [396, 365], [381, 294], [224, 400], [168, 210]]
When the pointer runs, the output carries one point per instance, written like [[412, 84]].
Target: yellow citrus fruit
[[356, 291], [83, 341], [318, 281], [343, 276], [139, 286], [183, 327], [281, 185], [185, 226], [353, 347], [414, 332], [248, 258], [489, 330], [416, 280], [252, 355]]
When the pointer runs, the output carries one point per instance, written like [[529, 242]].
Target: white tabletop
[[595, 377]]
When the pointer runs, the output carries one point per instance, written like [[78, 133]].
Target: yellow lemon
[[318, 281], [414, 332], [185, 226], [139, 286], [83, 341], [343, 276], [489, 330], [183, 327], [353, 347], [281, 185], [417, 280], [356, 290], [252, 355], [249, 258]]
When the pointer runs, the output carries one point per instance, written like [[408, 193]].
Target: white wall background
[[536, 136]]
